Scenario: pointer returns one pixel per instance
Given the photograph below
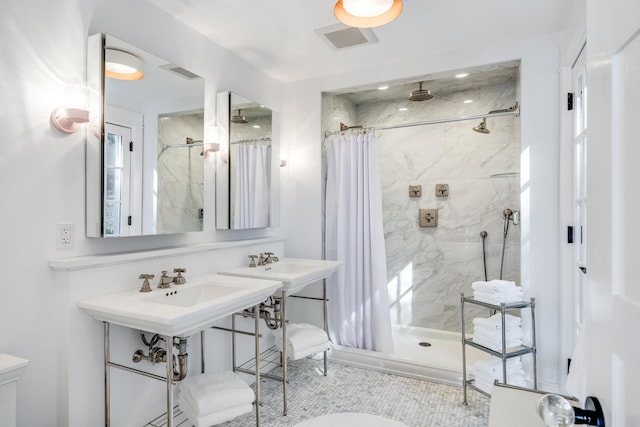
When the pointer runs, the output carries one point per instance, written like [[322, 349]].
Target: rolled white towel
[[208, 393], [303, 339], [213, 418], [495, 321]]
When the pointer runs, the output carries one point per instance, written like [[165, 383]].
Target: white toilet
[[11, 368]]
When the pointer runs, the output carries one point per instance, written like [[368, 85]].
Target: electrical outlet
[[64, 235]]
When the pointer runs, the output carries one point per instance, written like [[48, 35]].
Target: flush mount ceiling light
[[367, 13], [122, 65]]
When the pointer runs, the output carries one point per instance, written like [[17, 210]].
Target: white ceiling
[[279, 36]]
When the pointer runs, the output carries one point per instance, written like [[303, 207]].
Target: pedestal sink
[[294, 273], [180, 310]]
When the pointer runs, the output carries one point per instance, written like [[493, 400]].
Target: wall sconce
[[75, 112], [122, 65], [556, 411], [367, 13], [211, 143]]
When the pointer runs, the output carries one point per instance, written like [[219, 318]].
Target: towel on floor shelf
[[494, 365], [209, 393], [496, 285], [213, 418], [303, 340]]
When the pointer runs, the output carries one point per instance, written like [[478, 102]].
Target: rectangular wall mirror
[[145, 169], [247, 170]]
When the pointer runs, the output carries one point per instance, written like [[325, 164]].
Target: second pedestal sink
[[294, 273], [180, 310]]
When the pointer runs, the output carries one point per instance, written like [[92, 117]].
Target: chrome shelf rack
[[505, 353]]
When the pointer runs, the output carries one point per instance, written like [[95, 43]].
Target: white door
[[613, 286], [117, 179], [579, 134]]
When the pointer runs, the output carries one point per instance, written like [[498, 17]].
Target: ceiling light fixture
[[122, 65], [461, 75], [367, 13]]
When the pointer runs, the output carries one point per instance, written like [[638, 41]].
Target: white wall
[[539, 99], [42, 173]]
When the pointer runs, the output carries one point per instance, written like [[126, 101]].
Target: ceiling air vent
[[185, 74], [343, 37]]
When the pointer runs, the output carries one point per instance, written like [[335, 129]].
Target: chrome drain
[[424, 344]]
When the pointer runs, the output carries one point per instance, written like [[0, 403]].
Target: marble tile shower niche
[[428, 268]]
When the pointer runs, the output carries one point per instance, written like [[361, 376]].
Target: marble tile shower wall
[[180, 174], [428, 268]]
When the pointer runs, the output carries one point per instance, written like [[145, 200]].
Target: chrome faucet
[[270, 258], [166, 281]]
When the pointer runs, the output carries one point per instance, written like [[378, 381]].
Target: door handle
[[583, 269]]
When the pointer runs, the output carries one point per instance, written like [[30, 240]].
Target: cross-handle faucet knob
[[145, 285], [268, 259], [179, 279], [252, 263], [165, 281]]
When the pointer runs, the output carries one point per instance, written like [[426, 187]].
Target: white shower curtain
[[253, 182], [358, 300]]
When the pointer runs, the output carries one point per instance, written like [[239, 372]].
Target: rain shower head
[[482, 127], [420, 94], [239, 118]]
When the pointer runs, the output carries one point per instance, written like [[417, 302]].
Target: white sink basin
[[180, 310], [294, 273]]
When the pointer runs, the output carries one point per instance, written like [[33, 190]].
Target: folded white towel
[[212, 418], [498, 286], [497, 299], [303, 340], [515, 336], [208, 393], [497, 333], [495, 321]]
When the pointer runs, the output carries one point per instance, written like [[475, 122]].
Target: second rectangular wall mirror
[[145, 171], [247, 170]]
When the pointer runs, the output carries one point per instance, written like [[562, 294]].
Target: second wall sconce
[[211, 143]]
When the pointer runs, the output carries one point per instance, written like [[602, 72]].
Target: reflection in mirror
[[144, 162], [246, 168]]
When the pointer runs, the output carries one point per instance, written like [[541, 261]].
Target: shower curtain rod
[[515, 111], [192, 144], [248, 141]]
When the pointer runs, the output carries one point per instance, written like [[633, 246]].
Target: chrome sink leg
[[107, 385], [169, 344], [284, 352], [256, 317]]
